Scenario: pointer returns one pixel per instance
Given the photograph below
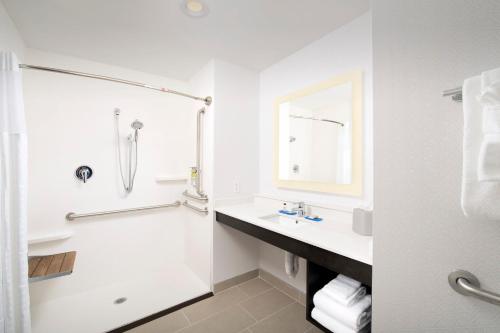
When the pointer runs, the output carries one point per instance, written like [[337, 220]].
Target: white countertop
[[329, 234]]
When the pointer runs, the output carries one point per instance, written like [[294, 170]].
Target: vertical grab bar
[[199, 142]]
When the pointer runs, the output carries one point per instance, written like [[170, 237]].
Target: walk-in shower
[[131, 158], [151, 248]]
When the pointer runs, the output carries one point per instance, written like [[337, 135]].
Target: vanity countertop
[[333, 236]]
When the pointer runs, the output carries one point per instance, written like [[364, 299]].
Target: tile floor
[[254, 306]]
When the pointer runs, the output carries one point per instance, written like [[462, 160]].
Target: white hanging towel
[[489, 152], [14, 293], [479, 198]]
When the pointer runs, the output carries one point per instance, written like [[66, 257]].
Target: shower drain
[[120, 300]]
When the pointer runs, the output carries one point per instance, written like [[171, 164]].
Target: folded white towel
[[479, 199], [355, 316], [348, 280], [489, 159], [331, 323], [358, 294], [344, 290]]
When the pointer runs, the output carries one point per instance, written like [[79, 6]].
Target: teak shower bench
[[50, 266]]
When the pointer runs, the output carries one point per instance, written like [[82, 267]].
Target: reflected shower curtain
[[344, 155], [14, 293]]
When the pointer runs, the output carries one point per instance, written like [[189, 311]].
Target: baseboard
[[283, 286], [162, 313], [273, 280], [236, 280]]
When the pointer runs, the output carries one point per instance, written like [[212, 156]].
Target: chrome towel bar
[[194, 197], [74, 216], [203, 211], [455, 93], [467, 284]]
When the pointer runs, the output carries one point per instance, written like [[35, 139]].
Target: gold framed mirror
[[318, 137]]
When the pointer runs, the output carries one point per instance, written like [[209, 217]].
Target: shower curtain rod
[[207, 100]]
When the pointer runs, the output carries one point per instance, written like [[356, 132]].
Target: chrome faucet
[[300, 208], [83, 173]]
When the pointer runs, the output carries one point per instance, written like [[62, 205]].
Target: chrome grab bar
[[73, 216], [467, 284], [195, 197], [203, 211]]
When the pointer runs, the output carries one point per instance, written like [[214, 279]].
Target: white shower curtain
[[14, 293]]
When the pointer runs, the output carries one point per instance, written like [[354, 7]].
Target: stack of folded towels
[[342, 306]]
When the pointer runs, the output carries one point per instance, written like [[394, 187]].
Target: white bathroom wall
[[10, 39], [235, 163], [345, 49], [420, 233], [71, 123]]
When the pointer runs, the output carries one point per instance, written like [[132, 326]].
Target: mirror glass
[[318, 134]]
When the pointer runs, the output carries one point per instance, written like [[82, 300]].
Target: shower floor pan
[[107, 308]]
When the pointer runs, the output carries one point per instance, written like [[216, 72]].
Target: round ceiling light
[[194, 8]]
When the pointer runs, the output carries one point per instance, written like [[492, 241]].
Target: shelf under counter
[[322, 265]]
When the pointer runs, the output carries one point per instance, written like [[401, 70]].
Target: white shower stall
[[128, 266]]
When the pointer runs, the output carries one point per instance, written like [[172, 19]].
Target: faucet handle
[[83, 173]]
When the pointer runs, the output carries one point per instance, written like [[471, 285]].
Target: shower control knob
[[83, 173]]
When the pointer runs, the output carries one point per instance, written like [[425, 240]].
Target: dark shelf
[[317, 277], [322, 265]]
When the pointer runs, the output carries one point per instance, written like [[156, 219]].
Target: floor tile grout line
[[275, 312], [185, 316], [220, 311], [248, 312], [258, 294], [268, 316], [275, 285]]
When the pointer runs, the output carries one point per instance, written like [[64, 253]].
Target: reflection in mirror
[[318, 141], [315, 136]]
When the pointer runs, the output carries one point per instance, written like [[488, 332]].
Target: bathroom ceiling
[[155, 36]]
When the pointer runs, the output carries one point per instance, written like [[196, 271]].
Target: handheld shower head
[[137, 125]]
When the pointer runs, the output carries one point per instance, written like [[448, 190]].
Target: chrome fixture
[[194, 197], [300, 209], [132, 151], [197, 171], [83, 173], [317, 119], [74, 216], [465, 283], [199, 142], [207, 100], [456, 94], [203, 211]]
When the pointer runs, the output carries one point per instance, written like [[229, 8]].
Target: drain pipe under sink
[[291, 264]]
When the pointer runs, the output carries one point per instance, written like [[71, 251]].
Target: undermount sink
[[291, 222]]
